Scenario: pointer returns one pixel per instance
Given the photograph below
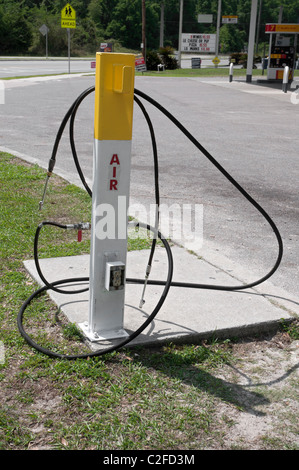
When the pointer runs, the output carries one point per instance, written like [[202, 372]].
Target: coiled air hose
[[70, 115]]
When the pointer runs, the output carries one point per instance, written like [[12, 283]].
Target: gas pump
[[282, 50]]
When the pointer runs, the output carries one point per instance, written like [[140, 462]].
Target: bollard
[[231, 71], [285, 79]]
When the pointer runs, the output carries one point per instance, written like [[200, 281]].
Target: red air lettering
[[114, 160], [113, 182], [113, 185]]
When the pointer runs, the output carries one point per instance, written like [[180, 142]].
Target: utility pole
[[143, 28], [162, 24], [280, 14]]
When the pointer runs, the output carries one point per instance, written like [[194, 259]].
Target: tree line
[[120, 22]]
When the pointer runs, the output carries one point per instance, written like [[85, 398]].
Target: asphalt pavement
[[20, 67], [250, 129], [14, 67]]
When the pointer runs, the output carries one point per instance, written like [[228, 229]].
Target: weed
[[291, 328]]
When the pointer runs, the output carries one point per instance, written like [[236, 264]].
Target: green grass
[[206, 72], [165, 397], [45, 75]]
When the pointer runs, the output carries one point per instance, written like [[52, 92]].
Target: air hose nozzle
[[148, 271], [49, 173], [41, 203]]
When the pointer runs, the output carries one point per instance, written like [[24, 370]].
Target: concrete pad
[[187, 314]]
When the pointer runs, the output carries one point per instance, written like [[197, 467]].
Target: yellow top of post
[[114, 96]]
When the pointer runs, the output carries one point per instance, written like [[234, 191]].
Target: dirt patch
[[264, 383]]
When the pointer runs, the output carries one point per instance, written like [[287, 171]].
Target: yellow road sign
[[68, 17], [216, 61]]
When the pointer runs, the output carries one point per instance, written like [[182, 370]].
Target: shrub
[[168, 59], [152, 60]]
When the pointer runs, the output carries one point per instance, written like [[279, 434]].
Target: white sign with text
[[198, 42]]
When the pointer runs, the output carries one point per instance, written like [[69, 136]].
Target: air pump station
[[113, 122]]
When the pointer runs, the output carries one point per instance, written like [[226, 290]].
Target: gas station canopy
[[282, 49]]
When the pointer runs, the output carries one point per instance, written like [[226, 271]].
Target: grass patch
[[205, 72], [36, 76], [291, 329], [166, 397]]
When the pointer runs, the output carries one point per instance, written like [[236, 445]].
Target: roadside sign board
[[282, 28], [198, 42], [205, 18], [230, 19], [106, 47], [140, 65], [68, 17], [44, 30]]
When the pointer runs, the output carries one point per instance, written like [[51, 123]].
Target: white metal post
[[269, 58], [250, 52], [231, 71], [285, 79], [180, 32], [114, 95], [69, 49]]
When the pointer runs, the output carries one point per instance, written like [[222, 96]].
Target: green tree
[[171, 23], [101, 12], [232, 39], [121, 20], [15, 31], [126, 23], [57, 38], [83, 37]]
